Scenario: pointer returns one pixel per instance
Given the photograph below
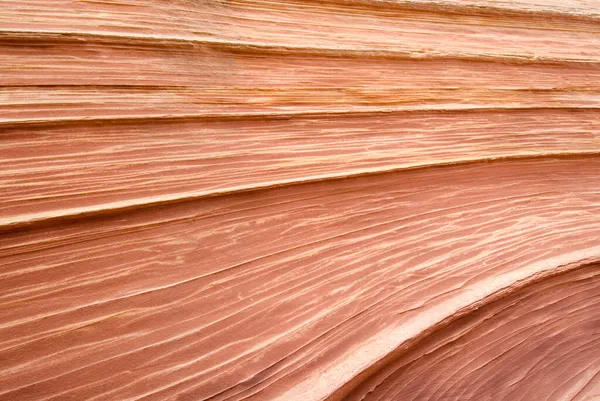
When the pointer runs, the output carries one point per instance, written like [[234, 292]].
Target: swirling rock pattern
[[300, 200]]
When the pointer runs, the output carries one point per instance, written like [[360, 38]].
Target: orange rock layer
[[300, 200]]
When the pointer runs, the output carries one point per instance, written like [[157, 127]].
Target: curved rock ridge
[[537, 343], [300, 200]]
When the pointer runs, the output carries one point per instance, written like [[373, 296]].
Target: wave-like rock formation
[[300, 200]]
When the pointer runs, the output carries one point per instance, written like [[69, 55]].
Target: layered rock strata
[[299, 200]]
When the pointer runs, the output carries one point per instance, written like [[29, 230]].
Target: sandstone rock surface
[[300, 200]]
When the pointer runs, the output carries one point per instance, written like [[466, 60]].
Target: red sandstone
[[300, 200]]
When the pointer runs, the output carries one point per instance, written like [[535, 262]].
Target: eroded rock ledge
[[299, 200]]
